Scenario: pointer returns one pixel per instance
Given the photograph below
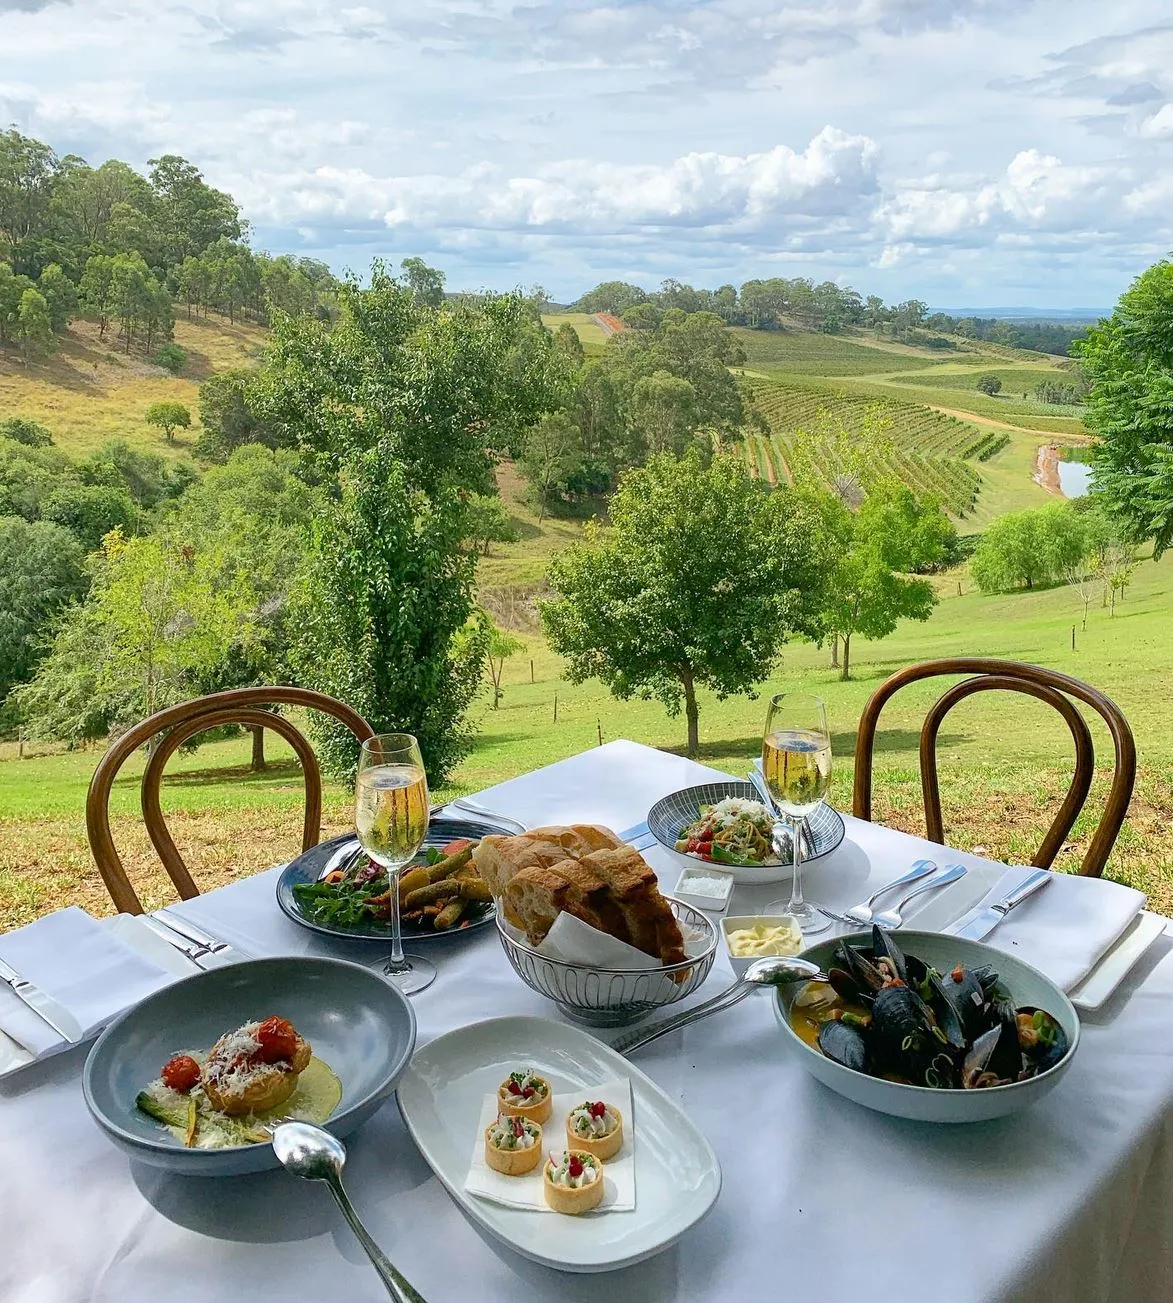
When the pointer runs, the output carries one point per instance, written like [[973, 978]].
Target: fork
[[862, 913], [890, 919]]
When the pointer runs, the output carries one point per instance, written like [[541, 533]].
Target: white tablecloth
[[1071, 1202]]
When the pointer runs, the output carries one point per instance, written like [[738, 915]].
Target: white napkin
[[82, 965], [576, 942], [1065, 928], [526, 1191]]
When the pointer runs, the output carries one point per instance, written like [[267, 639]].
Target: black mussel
[[887, 955], [866, 975], [950, 1019], [975, 1071], [847, 987], [1006, 1062], [845, 1044], [960, 991], [1041, 1039], [906, 1040]]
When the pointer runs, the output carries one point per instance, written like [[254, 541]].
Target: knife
[[205, 949], [987, 919], [43, 1005]]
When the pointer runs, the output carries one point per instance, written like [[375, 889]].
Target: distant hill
[[1031, 314]]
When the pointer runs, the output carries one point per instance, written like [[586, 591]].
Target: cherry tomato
[[181, 1072], [277, 1040]]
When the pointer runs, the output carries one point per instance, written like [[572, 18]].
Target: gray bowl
[[1026, 985], [357, 1022]]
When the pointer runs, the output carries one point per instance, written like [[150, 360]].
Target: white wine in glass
[[391, 817], [796, 764]]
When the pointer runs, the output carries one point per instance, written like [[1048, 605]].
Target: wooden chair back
[[178, 724], [1014, 676]]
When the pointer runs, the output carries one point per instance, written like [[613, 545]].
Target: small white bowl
[[692, 881], [738, 922]]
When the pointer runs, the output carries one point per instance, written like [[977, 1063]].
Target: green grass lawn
[[803, 352]]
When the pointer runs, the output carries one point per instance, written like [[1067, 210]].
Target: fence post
[[555, 708], [531, 671], [1073, 637], [599, 726]]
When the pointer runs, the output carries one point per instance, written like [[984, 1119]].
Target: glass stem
[[397, 962], [796, 900]]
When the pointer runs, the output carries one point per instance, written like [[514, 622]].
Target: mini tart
[[564, 1197], [537, 1105], [513, 1145], [604, 1139]]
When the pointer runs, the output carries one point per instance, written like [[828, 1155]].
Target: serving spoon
[[315, 1155], [774, 970]]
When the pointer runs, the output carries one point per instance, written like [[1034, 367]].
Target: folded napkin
[[526, 1191], [1064, 929], [83, 966], [575, 942]]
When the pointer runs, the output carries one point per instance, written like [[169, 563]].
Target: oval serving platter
[[338, 852], [672, 813]]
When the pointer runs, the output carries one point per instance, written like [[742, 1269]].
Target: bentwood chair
[[1014, 676], [177, 724]]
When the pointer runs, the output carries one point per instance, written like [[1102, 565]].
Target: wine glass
[[796, 764], [391, 818]]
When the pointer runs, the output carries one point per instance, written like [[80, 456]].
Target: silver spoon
[[770, 971], [315, 1155]]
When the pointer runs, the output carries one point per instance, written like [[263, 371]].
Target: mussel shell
[[965, 999], [864, 973], [977, 1060], [845, 1044], [950, 1019], [1040, 1057], [883, 947]]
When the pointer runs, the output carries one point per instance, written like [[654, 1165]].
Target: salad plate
[[669, 818], [677, 1174], [313, 865]]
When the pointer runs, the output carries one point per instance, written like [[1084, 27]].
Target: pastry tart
[[524, 1094], [513, 1145], [573, 1181], [255, 1067], [595, 1128]]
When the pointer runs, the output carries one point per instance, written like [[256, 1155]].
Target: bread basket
[[605, 997]]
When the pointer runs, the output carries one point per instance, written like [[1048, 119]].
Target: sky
[[964, 152]]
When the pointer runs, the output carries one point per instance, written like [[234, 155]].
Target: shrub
[[172, 357]]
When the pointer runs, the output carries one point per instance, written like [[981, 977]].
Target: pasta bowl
[[668, 818]]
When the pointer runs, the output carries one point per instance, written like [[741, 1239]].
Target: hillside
[[89, 391]]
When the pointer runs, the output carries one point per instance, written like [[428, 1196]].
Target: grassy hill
[[89, 391], [1005, 762]]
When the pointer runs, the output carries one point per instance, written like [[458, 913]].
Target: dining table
[[1070, 1201]]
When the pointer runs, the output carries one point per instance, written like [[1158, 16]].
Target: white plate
[[677, 1175], [1093, 992]]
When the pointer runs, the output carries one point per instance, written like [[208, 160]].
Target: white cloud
[[1159, 126]]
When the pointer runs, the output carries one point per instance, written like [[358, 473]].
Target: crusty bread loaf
[[585, 871]]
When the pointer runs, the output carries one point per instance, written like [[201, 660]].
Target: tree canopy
[[700, 577], [1128, 360]]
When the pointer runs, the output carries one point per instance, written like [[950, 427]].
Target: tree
[[388, 590], [568, 343], [169, 417], [227, 418], [97, 289], [190, 213], [28, 169], [34, 327], [498, 648], [146, 476], [426, 283], [399, 409], [1026, 548], [30, 433], [611, 296], [488, 521], [552, 451], [1128, 360], [171, 357], [91, 511], [42, 570], [60, 295], [700, 577], [877, 550], [662, 410], [989, 385]]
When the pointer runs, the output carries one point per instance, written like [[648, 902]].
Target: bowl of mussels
[[930, 1027]]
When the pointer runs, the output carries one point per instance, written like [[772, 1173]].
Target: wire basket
[[610, 997]]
